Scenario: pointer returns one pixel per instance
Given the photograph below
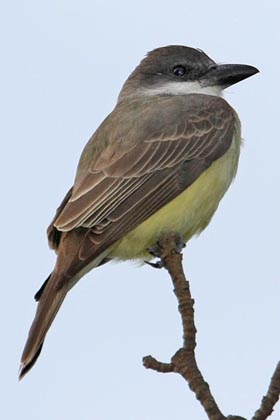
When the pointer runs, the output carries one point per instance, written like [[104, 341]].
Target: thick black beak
[[225, 75]]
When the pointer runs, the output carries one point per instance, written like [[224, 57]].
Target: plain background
[[62, 66]]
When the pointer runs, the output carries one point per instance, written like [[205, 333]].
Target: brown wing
[[171, 142], [144, 155], [54, 234]]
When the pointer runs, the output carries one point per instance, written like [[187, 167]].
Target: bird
[[158, 164]]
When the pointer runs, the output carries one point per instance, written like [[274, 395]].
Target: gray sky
[[63, 64]]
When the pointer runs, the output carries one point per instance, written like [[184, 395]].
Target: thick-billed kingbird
[[158, 164]]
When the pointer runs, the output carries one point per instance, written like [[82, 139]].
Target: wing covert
[[139, 171]]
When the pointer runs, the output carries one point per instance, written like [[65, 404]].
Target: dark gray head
[[179, 70]]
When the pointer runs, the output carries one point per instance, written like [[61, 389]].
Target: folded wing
[[139, 171]]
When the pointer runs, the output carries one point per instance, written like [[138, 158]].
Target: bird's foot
[[155, 250], [162, 248], [157, 264], [179, 244]]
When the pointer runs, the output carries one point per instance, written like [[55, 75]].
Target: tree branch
[[184, 360], [271, 397]]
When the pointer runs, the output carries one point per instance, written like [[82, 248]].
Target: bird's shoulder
[[138, 121]]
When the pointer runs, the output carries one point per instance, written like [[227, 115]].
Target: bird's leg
[[157, 250]]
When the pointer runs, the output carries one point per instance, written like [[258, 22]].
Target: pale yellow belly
[[188, 214]]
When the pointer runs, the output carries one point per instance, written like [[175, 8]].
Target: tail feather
[[68, 270], [50, 301], [25, 368], [39, 293]]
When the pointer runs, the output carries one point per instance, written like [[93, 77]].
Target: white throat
[[181, 88]]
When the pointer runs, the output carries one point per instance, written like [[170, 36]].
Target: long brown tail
[[50, 301], [69, 268]]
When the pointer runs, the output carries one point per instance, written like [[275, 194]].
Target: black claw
[[157, 264]]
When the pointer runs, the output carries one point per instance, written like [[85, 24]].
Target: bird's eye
[[179, 71]]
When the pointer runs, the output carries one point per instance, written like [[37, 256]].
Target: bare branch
[[184, 361], [271, 397], [151, 363]]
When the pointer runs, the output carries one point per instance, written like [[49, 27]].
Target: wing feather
[[139, 171]]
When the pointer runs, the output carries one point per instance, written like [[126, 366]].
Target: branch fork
[[183, 361]]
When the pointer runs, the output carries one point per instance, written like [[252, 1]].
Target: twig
[[271, 397], [184, 361]]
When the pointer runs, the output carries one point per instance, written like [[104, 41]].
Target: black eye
[[179, 71]]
